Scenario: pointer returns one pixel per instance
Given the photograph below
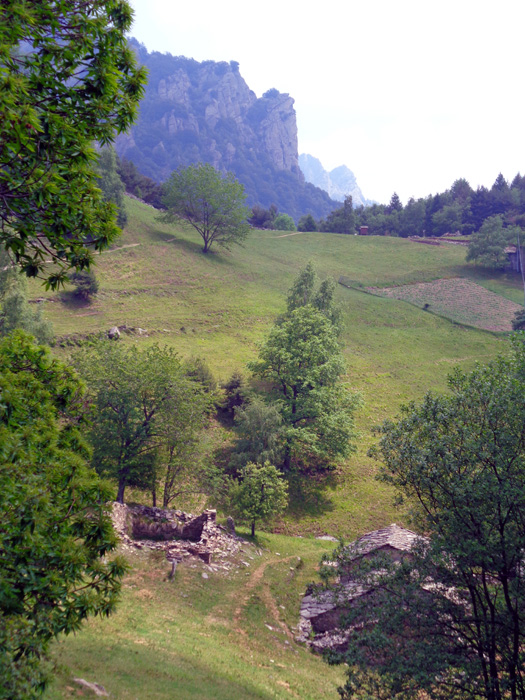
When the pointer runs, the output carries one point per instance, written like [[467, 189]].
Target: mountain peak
[[338, 183]]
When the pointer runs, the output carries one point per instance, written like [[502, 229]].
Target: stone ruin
[[182, 536]]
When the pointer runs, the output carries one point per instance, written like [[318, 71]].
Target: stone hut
[[320, 613]]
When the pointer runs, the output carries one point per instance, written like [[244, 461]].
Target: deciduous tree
[[450, 619], [55, 535], [487, 246], [211, 203], [303, 359], [144, 403], [261, 493], [67, 79]]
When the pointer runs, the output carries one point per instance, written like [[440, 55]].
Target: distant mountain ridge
[[194, 112], [338, 183]]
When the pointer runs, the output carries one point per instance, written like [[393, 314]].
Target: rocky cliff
[[195, 112], [338, 183]]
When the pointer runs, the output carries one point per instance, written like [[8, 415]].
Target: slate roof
[[392, 536]]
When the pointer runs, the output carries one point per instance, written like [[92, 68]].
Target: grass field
[[224, 637], [208, 638], [220, 305]]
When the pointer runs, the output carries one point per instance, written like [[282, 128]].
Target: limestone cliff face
[[210, 105], [339, 182], [205, 112]]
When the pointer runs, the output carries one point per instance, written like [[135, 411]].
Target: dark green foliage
[[260, 429], [211, 203], [449, 620], [261, 494], [341, 220], [307, 223], [395, 204], [283, 222], [518, 322], [262, 218], [139, 185], [56, 99], [86, 284], [144, 405], [55, 536], [234, 393]]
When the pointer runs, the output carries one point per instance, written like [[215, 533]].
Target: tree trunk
[[121, 489], [253, 528]]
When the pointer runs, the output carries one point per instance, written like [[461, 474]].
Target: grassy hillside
[[220, 305], [226, 637], [199, 637]]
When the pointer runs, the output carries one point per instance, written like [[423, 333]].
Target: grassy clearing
[[220, 305], [461, 300], [224, 637], [211, 638]]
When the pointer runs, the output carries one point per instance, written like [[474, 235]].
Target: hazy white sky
[[410, 95]]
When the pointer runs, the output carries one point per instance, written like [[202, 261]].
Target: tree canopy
[[55, 536], [145, 406], [211, 203], [487, 246], [303, 359], [67, 79], [449, 621], [261, 493]]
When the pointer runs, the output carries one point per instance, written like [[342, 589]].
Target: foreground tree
[[67, 79], [211, 203], [450, 621], [144, 404], [55, 536], [261, 494]]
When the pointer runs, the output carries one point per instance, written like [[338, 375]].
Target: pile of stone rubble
[[182, 536]]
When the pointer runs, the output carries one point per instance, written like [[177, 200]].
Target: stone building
[[321, 612]]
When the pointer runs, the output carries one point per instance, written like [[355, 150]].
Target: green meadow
[[207, 638], [220, 305]]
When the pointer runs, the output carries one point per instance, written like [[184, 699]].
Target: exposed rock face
[[190, 98], [339, 182], [205, 112]]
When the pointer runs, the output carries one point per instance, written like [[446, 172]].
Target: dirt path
[[295, 233], [127, 245], [255, 580]]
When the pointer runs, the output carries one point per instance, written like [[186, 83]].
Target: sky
[[410, 95]]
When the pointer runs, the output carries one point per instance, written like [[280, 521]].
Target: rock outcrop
[[338, 183], [205, 112]]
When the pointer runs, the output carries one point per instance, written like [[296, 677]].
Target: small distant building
[[363, 230], [514, 262]]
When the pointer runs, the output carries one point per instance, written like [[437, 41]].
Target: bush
[[86, 284], [283, 222]]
